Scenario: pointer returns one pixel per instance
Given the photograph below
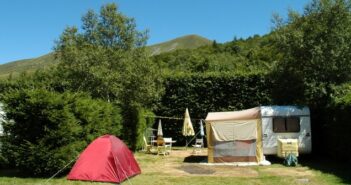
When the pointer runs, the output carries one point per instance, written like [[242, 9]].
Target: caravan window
[[279, 124], [293, 124], [286, 124]]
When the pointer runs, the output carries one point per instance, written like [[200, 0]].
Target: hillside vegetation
[[27, 65], [252, 55], [191, 53], [30, 65], [185, 42]]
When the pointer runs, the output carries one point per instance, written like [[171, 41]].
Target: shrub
[[45, 130]]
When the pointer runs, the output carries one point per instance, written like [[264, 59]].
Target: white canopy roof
[[258, 112], [267, 111], [247, 114]]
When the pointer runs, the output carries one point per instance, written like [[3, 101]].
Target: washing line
[[165, 117]]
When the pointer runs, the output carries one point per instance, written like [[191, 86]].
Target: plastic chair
[[199, 143], [168, 144]]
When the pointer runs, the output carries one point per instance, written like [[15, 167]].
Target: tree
[[316, 57], [108, 60], [96, 59], [316, 52]]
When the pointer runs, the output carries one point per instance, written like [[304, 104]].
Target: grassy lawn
[[183, 168]]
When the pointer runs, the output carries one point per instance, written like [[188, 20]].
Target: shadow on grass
[[19, 174], [323, 164], [12, 173], [195, 159]]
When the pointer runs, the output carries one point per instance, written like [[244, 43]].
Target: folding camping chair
[[147, 147], [199, 143]]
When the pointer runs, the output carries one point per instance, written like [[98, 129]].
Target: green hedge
[[46, 130], [134, 125], [203, 93], [336, 127], [143, 123]]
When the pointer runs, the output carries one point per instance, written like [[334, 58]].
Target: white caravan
[[285, 122]]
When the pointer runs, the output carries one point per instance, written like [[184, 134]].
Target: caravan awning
[[235, 130], [247, 114]]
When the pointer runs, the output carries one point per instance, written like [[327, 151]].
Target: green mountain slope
[[27, 65], [30, 65], [185, 42], [243, 56]]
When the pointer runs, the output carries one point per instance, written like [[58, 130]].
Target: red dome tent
[[106, 159]]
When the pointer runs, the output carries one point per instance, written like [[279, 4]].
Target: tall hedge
[[336, 125], [203, 93], [134, 125], [45, 130], [144, 121]]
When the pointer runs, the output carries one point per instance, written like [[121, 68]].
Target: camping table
[[155, 141]]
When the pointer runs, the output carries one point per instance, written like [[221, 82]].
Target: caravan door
[[269, 139], [305, 136]]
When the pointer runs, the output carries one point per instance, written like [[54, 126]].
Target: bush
[[46, 130], [210, 93]]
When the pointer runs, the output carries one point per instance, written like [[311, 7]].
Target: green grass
[[168, 170], [155, 179]]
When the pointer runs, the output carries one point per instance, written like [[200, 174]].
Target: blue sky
[[28, 28]]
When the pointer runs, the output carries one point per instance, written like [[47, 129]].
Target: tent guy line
[[165, 117], [59, 171]]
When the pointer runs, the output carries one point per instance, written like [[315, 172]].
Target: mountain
[[185, 42], [45, 61], [27, 65]]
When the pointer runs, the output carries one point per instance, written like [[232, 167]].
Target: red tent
[[106, 159]]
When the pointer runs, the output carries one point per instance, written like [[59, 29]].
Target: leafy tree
[[316, 52], [98, 58], [107, 58], [316, 57]]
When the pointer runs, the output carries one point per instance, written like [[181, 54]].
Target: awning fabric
[[235, 130]]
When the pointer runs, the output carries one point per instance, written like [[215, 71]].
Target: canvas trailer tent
[[234, 136], [246, 135]]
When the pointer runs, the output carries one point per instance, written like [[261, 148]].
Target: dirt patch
[[294, 171], [234, 171], [195, 169], [188, 152], [183, 162]]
